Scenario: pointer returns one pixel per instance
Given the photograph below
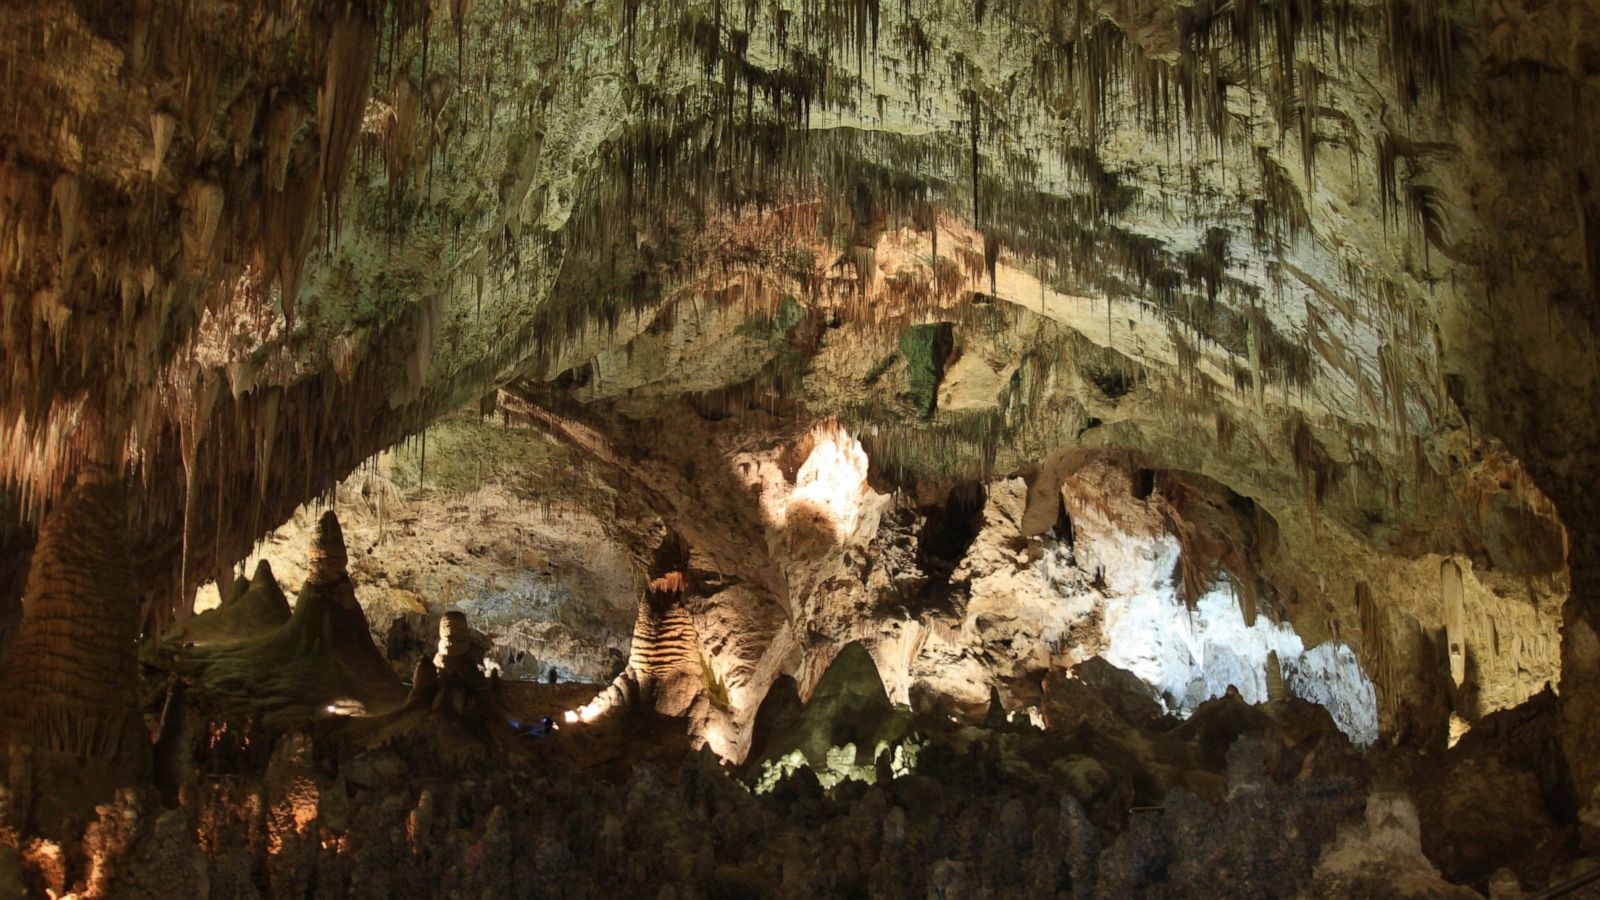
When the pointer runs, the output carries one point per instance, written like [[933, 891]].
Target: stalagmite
[[327, 559], [665, 669], [71, 678], [1275, 690], [253, 652]]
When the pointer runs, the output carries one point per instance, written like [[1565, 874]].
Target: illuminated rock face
[[831, 482], [1245, 344], [1191, 656]]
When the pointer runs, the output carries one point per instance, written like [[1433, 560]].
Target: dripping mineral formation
[[804, 449]]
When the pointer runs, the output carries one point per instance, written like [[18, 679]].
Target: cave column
[[70, 686], [1580, 672]]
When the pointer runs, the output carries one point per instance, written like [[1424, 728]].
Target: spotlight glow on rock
[[832, 481]]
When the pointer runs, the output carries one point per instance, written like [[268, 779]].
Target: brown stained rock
[[327, 559], [12, 886], [424, 681], [167, 862], [293, 797], [70, 681], [1502, 796]]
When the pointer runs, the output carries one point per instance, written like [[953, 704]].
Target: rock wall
[[1337, 258], [495, 521]]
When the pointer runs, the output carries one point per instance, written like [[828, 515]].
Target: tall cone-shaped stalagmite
[[665, 670], [665, 657], [71, 683], [328, 621], [326, 559]]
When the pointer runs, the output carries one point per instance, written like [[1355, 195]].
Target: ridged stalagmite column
[[71, 682], [664, 663]]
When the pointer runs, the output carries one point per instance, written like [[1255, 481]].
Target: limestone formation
[[459, 656], [934, 448], [70, 681], [322, 656], [251, 605]]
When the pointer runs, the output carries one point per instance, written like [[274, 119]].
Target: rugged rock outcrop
[[1250, 346], [321, 656]]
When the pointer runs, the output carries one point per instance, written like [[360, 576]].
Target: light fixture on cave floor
[[587, 712], [346, 707]]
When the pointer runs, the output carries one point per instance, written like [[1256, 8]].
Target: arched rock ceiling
[[249, 244]]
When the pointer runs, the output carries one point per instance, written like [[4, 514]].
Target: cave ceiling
[[1337, 256]]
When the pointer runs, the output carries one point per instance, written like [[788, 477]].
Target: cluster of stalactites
[[757, 157], [760, 152], [1086, 70], [73, 241]]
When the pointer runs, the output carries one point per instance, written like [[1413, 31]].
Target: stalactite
[[1377, 654], [1318, 473], [973, 128], [1388, 194], [202, 214], [287, 233], [283, 122], [192, 431], [66, 197], [341, 101], [266, 436], [162, 126], [1453, 596]]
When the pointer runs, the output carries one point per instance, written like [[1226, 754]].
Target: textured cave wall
[[526, 537], [947, 618], [1331, 545], [1525, 358], [1103, 96], [1334, 256]]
